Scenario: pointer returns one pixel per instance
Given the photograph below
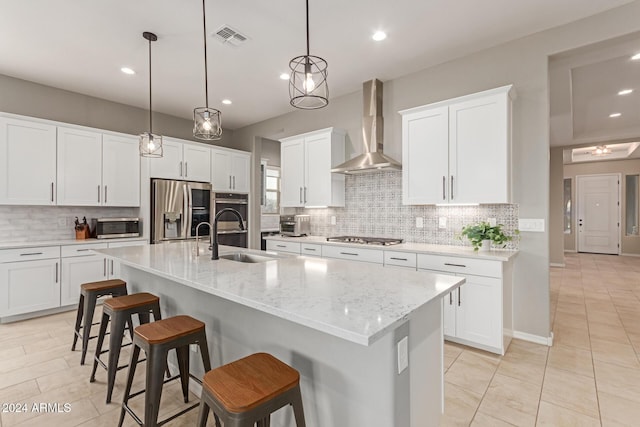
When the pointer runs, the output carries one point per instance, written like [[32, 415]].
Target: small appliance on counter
[[295, 225], [381, 241], [112, 228]]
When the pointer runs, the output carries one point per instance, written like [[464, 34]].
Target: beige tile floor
[[591, 376]]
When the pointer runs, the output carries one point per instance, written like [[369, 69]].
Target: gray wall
[[556, 208], [271, 151], [46, 102], [523, 63], [629, 244]]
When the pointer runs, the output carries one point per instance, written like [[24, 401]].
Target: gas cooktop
[[383, 241]]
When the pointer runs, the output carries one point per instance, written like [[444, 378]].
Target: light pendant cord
[[150, 103], [206, 76], [307, 27]]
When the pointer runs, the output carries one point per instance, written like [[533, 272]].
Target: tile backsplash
[[373, 208], [43, 223]]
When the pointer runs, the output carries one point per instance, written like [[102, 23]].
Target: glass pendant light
[[207, 122], [150, 143], [308, 87]]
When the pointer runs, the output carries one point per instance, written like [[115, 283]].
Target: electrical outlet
[[62, 222], [403, 354], [333, 220], [419, 222], [492, 221], [442, 222], [193, 347]]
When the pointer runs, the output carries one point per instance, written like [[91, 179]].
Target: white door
[[79, 270], [120, 171], [79, 168], [29, 286], [169, 166], [27, 163], [240, 164], [425, 171], [598, 213], [317, 170], [292, 166], [221, 177], [197, 163], [478, 311]]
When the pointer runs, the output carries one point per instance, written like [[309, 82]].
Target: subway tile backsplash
[[44, 223], [373, 208]]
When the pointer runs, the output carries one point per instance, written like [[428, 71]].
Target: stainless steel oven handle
[[231, 201], [233, 231]]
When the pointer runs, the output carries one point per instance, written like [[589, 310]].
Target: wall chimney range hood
[[373, 159]]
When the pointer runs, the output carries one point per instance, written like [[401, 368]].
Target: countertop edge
[[69, 242]]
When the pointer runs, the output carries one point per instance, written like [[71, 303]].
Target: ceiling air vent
[[229, 36]]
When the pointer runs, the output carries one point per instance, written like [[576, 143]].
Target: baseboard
[[557, 264], [548, 341], [26, 316], [637, 255], [572, 251]]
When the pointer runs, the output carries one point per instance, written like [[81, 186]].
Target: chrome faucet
[[210, 236], [214, 237]]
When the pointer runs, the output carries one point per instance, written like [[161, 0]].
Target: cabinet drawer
[[280, 246], [478, 267], [124, 244], [81, 250], [311, 249], [29, 254], [353, 254], [400, 259]]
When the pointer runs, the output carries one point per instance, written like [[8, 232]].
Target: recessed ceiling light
[[614, 115], [635, 57], [226, 101], [625, 92], [127, 70], [284, 76], [379, 36]]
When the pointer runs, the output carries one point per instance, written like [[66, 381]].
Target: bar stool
[[156, 339], [120, 311], [248, 390], [89, 293]]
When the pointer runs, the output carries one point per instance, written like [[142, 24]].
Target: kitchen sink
[[247, 257]]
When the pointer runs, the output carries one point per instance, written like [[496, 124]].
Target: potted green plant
[[483, 234]]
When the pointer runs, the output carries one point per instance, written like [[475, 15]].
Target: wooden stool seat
[[168, 329], [102, 285], [249, 382], [127, 302]]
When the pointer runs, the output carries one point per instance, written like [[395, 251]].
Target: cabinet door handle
[[112, 268], [309, 249], [305, 194], [450, 298], [444, 184], [52, 191], [82, 250], [398, 259], [186, 169], [98, 194], [300, 194], [104, 263], [455, 265], [105, 194], [348, 253], [451, 187], [56, 272], [180, 168], [234, 182], [281, 246], [31, 254], [459, 295]]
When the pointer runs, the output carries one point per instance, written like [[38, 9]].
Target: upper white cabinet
[[230, 170], [459, 150], [96, 169], [306, 162], [182, 161], [27, 162]]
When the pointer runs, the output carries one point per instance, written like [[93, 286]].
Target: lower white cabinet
[[78, 270], [280, 246], [375, 256], [27, 286], [311, 249]]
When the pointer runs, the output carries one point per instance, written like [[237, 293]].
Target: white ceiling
[[80, 45]]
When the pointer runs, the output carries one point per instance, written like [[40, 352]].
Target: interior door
[[598, 213]]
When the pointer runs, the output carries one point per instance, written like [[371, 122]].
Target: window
[[631, 205], [271, 195], [568, 214]]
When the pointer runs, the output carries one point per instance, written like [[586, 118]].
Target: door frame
[[575, 218]]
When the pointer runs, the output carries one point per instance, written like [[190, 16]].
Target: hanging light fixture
[[308, 87], [150, 143], [207, 122]]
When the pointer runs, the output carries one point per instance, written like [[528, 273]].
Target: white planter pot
[[486, 246]]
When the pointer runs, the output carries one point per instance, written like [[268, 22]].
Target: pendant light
[[308, 87], [150, 143], [207, 122]]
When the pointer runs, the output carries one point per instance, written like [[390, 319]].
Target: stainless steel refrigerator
[[177, 207]]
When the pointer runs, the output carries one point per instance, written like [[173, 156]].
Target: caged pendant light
[[150, 143], [308, 89], [207, 122]]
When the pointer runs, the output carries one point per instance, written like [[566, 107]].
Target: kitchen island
[[341, 324]]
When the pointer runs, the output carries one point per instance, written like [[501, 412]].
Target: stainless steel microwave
[[111, 228]]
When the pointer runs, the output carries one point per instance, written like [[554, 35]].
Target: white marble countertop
[[426, 248], [354, 301], [68, 242]]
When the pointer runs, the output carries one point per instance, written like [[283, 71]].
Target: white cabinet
[[311, 249], [27, 162], [182, 161], [375, 256], [306, 162], [29, 280], [96, 169], [279, 246], [478, 313], [230, 170], [80, 265], [459, 150]]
